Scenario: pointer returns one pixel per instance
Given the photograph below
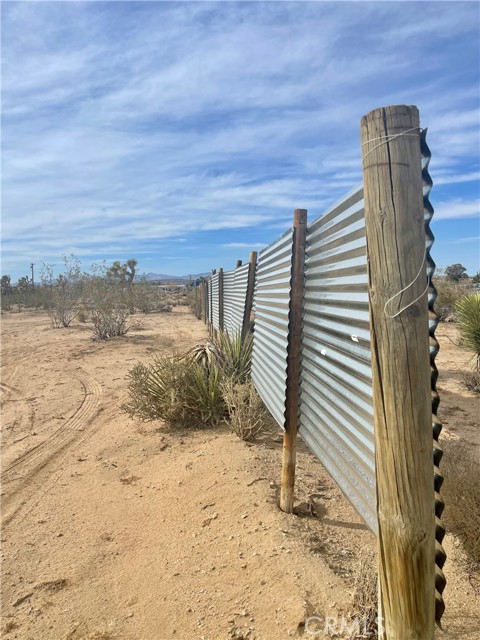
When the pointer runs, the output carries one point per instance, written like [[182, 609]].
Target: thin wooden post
[[293, 361], [220, 299], [249, 295], [239, 264], [401, 370], [203, 303]]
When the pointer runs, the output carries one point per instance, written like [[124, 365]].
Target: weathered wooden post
[[249, 295], [293, 361], [220, 299], [203, 302], [401, 370]]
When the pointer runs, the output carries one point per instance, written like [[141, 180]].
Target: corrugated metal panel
[[228, 296], [239, 298], [210, 301], [215, 317], [270, 338], [336, 412]]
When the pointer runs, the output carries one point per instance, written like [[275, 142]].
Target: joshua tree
[[6, 286], [124, 272]]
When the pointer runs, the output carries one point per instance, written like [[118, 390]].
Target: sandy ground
[[113, 528]]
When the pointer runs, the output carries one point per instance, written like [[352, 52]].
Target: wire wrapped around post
[[440, 555]]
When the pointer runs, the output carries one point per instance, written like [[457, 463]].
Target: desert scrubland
[[116, 528]]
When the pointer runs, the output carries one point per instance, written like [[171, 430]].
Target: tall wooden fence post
[[249, 295], [220, 299], [293, 361], [401, 370]]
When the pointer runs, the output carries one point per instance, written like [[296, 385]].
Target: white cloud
[[134, 123], [466, 240], [456, 208], [243, 245]]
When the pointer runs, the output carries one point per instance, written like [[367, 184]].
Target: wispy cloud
[[456, 208], [127, 125], [465, 240], [243, 245]]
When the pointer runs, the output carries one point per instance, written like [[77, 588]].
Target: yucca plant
[[176, 390], [236, 354], [468, 318], [205, 354], [203, 393]]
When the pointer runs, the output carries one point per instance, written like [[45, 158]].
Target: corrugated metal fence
[[335, 411], [270, 338], [228, 301]]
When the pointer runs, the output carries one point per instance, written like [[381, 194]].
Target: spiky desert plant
[[177, 390], [236, 354], [205, 354], [468, 318]]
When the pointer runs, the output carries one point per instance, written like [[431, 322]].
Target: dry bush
[[448, 293], [246, 411], [364, 594], [82, 316], [147, 298], [109, 322], [195, 302], [62, 313], [108, 303], [471, 380], [461, 493]]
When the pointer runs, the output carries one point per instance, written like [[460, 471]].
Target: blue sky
[[184, 134]]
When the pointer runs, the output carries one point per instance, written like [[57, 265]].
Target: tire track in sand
[[30, 470]]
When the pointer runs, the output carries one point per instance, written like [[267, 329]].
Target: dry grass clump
[[461, 493], [364, 594], [246, 411], [471, 380]]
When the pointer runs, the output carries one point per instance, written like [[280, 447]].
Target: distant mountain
[[155, 277]]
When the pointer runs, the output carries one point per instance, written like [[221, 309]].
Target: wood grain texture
[[401, 372], [220, 299], [250, 291], [293, 360]]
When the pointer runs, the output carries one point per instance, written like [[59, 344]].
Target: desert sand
[[116, 528]]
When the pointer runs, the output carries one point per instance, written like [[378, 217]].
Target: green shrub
[[177, 390], [468, 318], [235, 355]]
